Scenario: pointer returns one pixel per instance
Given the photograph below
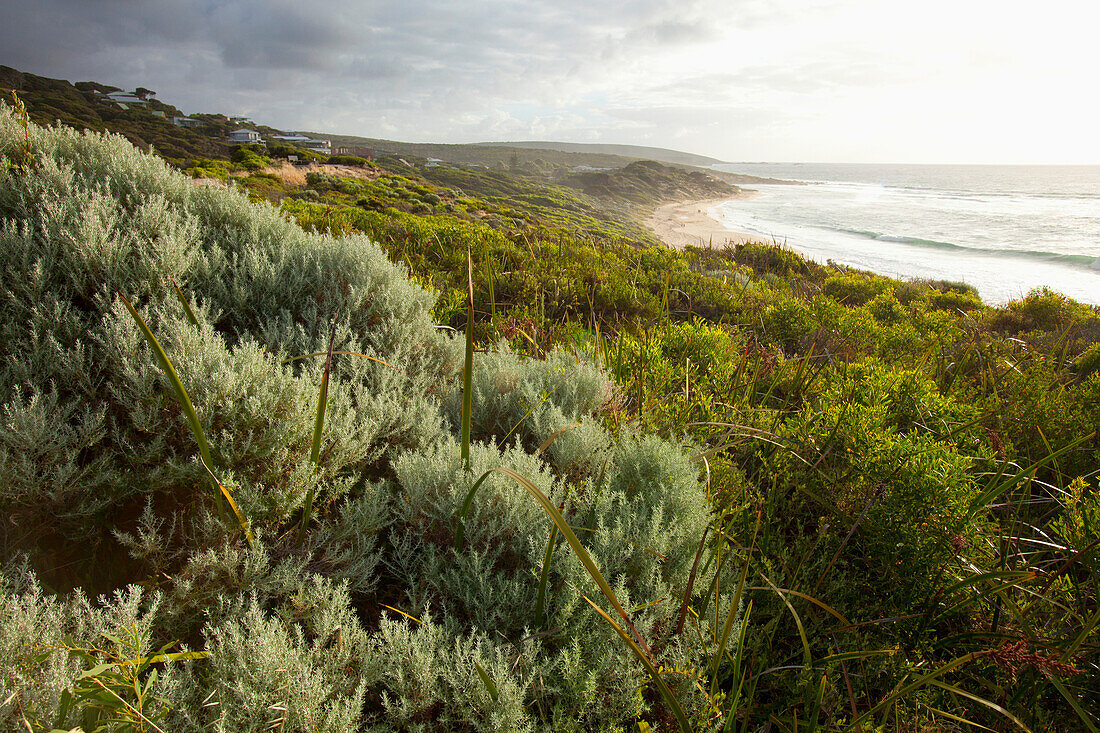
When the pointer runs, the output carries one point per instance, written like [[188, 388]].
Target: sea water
[[1003, 229]]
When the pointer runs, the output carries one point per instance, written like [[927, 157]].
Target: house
[[323, 147], [186, 122], [241, 121], [367, 153], [245, 136], [125, 98]]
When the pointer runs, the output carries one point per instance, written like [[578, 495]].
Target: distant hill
[[641, 152], [511, 155], [498, 156]]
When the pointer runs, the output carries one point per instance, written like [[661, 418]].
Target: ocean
[[1003, 229]]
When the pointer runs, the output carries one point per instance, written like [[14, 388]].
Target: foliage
[[820, 495]]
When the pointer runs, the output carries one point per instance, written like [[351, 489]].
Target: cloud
[[669, 71]]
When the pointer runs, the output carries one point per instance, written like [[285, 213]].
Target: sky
[[928, 81]]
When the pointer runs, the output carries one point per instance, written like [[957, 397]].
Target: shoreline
[[688, 223]]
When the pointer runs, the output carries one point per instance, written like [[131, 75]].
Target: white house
[[125, 98], [245, 136], [324, 147]]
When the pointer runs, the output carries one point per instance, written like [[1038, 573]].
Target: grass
[[902, 480], [747, 400], [786, 390]]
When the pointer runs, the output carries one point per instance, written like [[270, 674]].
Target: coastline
[[687, 223]]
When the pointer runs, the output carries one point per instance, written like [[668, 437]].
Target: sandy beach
[[686, 223]]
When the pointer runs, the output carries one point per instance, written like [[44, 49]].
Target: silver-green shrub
[[101, 483]]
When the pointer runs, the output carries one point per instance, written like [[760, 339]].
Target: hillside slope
[[81, 106], [638, 152]]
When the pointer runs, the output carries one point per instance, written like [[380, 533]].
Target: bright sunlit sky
[[922, 81]]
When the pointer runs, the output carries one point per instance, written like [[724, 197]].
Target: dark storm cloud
[[329, 36], [417, 68]]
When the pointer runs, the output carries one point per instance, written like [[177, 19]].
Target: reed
[[318, 433]]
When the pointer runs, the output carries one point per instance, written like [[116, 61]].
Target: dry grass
[[294, 175]]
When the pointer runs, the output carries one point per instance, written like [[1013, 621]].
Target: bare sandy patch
[[688, 223]]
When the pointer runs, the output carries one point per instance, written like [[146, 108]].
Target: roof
[[253, 132]]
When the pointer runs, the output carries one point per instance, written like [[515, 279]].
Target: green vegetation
[[719, 489], [83, 106]]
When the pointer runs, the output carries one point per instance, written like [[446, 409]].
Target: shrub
[[249, 158], [1088, 361], [349, 160], [770, 258], [100, 474], [853, 290], [965, 301], [1043, 309]]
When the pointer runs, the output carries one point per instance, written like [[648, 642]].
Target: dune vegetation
[[322, 457]]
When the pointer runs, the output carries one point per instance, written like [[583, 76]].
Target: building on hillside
[[241, 121], [127, 98], [323, 147], [367, 153], [186, 122], [159, 113], [245, 136]]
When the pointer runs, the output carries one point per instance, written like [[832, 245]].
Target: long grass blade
[[1074, 703], [460, 520], [807, 660], [999, 488], [643, 657], [468, 365], [186, 305], [554, 436], [398, 610], [815, 711], [910, 687], [487, 681], [181, 393], [1086, 629], [548, 557], [582, 554], [735, 703], [981, 701], [566, 532], [727, 627], [242, 522], [318, 431], [690, 583]]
